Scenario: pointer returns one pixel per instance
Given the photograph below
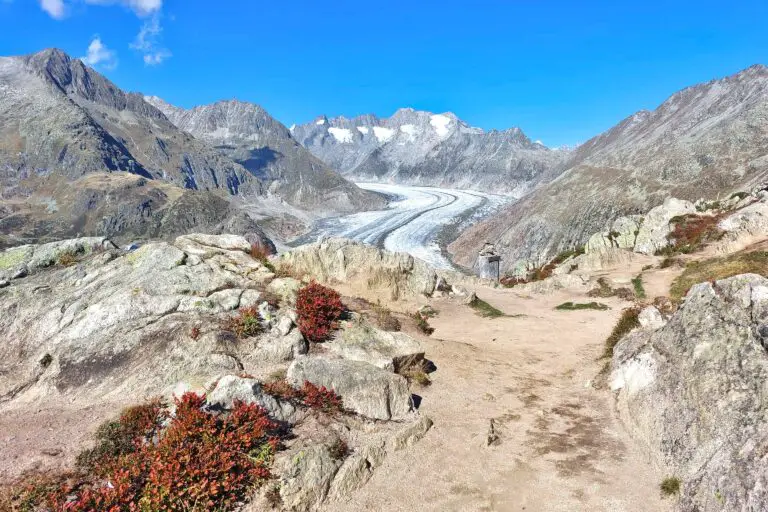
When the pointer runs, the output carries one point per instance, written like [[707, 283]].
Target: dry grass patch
[[718, 268], [626, 323], [484, 309]]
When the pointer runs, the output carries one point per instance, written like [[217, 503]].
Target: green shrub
[[575, 306], [637, 284], [484, 309], [670, 486]]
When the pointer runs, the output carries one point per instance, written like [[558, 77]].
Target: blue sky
[[563, 71]]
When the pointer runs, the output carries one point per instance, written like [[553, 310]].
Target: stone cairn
[[488, 262]]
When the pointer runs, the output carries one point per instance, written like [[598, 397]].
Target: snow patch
[[383, 134], [293, 127], [320, 122], [440, 123], [409, 130], [342, 135], [363, 129]]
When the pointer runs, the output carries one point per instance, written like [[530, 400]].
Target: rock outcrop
[[692, 392], [364, 388], [347, 261], [85, 322]]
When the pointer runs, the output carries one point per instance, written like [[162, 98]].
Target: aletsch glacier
[[413, 221]]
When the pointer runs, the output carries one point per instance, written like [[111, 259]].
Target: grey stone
[[692, 392], [231, 388], [305, 482], [650, 318], [278, 348], [286, 288], [359, 341], [655, 227], [364, 388]]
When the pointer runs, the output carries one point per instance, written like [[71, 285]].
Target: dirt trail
[[559, 445]]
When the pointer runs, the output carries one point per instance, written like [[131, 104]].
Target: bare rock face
[[653, 232], [364, 388], [692, 391], [348, 261], [120, 322]]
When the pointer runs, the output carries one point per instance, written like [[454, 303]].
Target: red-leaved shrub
[[281, 389], [319, 309], [320, 398], [199, 461]]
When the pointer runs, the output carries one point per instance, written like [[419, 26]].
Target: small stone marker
[[488, 262]]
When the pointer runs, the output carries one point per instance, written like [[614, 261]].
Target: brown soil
[[556, 443]]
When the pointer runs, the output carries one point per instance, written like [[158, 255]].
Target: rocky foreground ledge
[[85, 322], [693, 391]]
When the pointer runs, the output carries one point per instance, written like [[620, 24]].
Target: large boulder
[[346, 261], [655, 227], [360, 341], [364, 388], [693, 391], [307, 477], [622, 235]]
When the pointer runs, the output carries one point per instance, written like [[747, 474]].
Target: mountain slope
[[247, 134], [705, 141], [59, 116], [421, 148]]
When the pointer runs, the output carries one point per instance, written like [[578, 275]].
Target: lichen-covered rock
[[277, 347], [359, 341], [653, 232], [347, 261], [305, 481], [115, 316], [693, 392], [20, 261], [287, 288], [364, 388], [622, 235]]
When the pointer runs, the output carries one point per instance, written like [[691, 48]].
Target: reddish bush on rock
[[320, 398], [319, 309], [199, 461]]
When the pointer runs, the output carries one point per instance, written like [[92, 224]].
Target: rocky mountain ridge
[[248, 135], [422, 148], [69, 136], [706, 141]]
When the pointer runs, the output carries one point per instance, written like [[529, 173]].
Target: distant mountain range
[[61, 122], [709, 140], [421, 148], [248, 135]]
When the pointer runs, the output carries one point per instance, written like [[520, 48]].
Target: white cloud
[[148, 42], [55, 8], [99, 55], [153, 59], [140, 7]]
